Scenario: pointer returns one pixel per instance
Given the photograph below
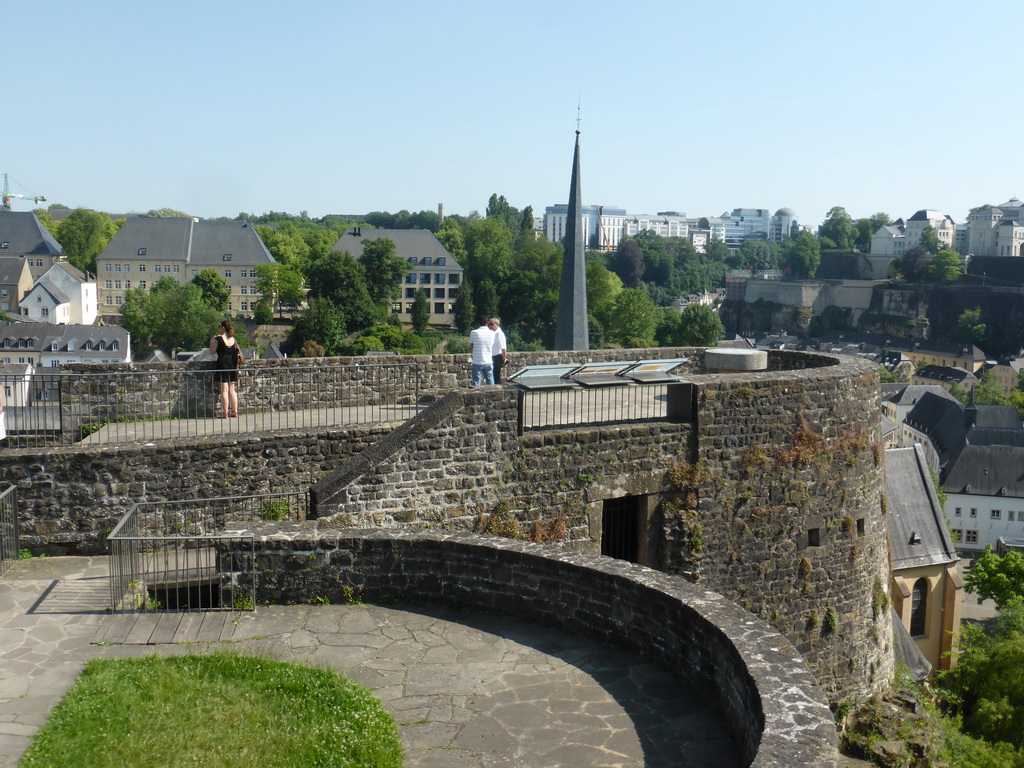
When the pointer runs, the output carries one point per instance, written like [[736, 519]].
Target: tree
[[716, 250], [946, 267], [912, 265], [262, 311], [84, 234], [602, 288], [166, 213], [929, 240], [215, 289], [450, 235], [499, 208], [701, 326], [322, 323], [995, 577], [384, 270], [839, 228], [969, 327], [634, 318], [866, 228], [803, 254], [168, 316], [341, 280], [463, 308], [420, 313], [628, 262]]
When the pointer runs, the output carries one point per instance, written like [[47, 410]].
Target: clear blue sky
[[342, 107]]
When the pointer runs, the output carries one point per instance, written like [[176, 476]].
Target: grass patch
[[216, 711]]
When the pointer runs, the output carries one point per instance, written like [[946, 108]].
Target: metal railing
[[573, 406], [113, 407], [180, 555], [10, 544]]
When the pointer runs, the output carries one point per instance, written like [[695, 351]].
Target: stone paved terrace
[[469, 689]]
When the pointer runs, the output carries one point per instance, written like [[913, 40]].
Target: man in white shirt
[[499, 355], [481, 341]]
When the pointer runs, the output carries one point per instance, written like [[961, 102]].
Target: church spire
[[571, 327]]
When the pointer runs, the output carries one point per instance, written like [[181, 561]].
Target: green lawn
[[219, 710]]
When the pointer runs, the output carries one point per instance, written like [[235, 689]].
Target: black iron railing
[[182, 556], [10, 545]]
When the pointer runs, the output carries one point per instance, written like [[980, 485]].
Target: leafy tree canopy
[[839, 228], [946, 266], [215, 289], [633, 319], [84, 234]]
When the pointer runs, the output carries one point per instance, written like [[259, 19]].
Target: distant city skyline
[[329, 108]]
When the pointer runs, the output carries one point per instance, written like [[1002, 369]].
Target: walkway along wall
[[738, 664], [772, 496]]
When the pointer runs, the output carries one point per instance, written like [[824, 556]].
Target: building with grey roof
[[945, 376], [62, 295], [44, 345], [926, 583], [431, 268], [147, 249], [15, 282], [23, 235]]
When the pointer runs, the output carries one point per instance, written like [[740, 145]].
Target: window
[[157, 268], [439, 261], [226, 257], [439, 308], [970, 537], [412, 260], [245, 290], [177, 269], [860, 527], [117, 301], [453, 279], [453, 293], [115, 344], [439, 278], [117, 267], [142, 267], [54, 347], [106, 268], [1009, 516], [957, 512], [127, 267], [194, 272], [87, 345], [5, 244], [3, 292], [245, 306], [813, 537], [439, 293], [410, 293], [919, 609], [46, 311], [108, 284], [117, 285], [142, 252], [127, 284], [21, 344], [410, 278], [424, 278], [425, 261], [142, 283], [108, 300], [997, 514], [396, 308], [53, 364], [227, 273], [974, 511]]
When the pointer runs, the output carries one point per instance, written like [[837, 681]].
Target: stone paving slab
[[469, 689]]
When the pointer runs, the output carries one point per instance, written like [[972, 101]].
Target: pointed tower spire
[[571, 327]]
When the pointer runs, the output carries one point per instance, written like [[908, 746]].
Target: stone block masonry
[[740, 665]]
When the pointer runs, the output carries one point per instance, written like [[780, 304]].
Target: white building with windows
[[896, 238], [431, 268], [665, 224], [742, 223], [62, 295], [147, 249], [604, 225], [48, 346], [997, 230]]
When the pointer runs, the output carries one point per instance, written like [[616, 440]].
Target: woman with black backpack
[[229, 358]]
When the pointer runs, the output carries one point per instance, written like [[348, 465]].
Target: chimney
[[440, 214]]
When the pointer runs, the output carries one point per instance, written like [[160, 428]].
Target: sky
[[334, 107]]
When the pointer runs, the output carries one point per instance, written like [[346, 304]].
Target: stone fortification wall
[[70, 498], [750, 674], [771, 496]]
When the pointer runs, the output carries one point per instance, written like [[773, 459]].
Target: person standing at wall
[[499, 354], [481, 342], [229, 357]]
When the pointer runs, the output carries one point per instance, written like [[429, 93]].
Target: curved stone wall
[[751, 674]]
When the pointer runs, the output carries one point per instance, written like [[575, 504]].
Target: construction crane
[[8, 196]]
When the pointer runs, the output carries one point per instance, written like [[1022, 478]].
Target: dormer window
[[226, 257], [412, 260], [100, 346], [87, 345], [440, 261], [115, 345], [142, 251], [71, 346], [54, 347], [5, 244], [425, 262]]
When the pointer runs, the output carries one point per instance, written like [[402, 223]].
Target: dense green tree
[[634, 318], [262, 311], [758, 255], [485, 298], [420, 314], [450, 235], [499, 208], [969, 327], [995, 577], [341, 280], [286, 244], [696, 326], [169, 317], [321, 322], [215, 289], [603, 286], [839, 228], [913, 265], [716, 250], [463, 308], [946, 266], [866, 228], [403, 220], [803, 255], [167, 213], [84, 234], [489, 253], [627, 261], [384, 270], [929, 240]]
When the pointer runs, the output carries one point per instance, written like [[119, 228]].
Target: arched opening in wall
[[622, 528], [919, 608]]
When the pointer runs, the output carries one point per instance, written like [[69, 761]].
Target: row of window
[[170, 269], [439, 308], [438, 278], [453, 293], [967, 537], [995, 514], [426, 261], [117, 285]]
